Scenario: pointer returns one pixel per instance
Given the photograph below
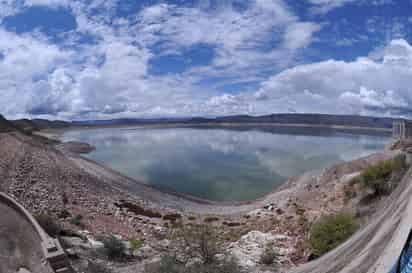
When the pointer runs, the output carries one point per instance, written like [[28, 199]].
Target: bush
[[49, 225], [194, 249], [114, 247], [136, 244], [77, 221], [376, 177], [199, 241], [269, 256], [331, 231]]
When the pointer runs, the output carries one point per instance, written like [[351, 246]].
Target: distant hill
[[28, 125], [5, 125], [315, 119], [302, 119]]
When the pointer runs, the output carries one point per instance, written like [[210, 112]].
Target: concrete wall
[[24, 244]]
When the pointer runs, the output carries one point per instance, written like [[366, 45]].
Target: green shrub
[[49, 225], [376, 177], [114, 247], [331, 231], [136, 244]]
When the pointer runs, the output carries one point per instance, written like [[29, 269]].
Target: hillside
[[28, 125], [5, 125]]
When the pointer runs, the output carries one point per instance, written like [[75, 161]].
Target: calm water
[[221, 164]]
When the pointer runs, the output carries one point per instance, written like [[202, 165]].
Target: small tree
[[199, 241], [331, 231]]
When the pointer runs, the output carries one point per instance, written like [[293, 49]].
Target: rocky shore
[[56, 180]]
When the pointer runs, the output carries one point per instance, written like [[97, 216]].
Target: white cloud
[[48, 3], [110, 78], [239, 37], [324, 6], [299, 35], [365, 86]]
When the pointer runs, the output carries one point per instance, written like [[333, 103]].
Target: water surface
[[222, 164]]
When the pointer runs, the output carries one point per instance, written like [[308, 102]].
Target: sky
[[100, 59]]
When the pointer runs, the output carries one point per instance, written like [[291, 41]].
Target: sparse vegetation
[[48, 223], [77, 221], [196, 249], [269, 256], [202, 242], [136, 244], [331, 231], [114, 248], [376, 177], [173, 217]]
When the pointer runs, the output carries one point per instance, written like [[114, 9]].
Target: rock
[[76, 242], [94, 244], [144, 252], [72, 254], [250, 247]]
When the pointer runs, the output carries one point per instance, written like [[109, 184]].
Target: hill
[[29, 126], [5, 125], [302, 119]]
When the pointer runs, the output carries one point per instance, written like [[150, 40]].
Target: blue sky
[[96, 59]]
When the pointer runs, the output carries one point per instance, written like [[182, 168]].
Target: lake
[[233, 164]]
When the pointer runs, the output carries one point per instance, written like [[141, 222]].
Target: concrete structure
[[24, 245], [402, 129]]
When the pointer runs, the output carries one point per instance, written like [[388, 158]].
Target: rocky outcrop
[[249, 249]]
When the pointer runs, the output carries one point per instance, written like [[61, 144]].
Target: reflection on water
[[221, 164]]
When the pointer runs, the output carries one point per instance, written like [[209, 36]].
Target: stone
[[144, 252], [250, 247]]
